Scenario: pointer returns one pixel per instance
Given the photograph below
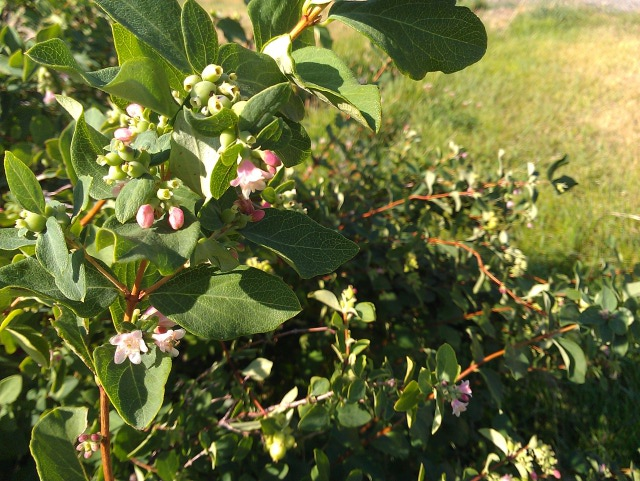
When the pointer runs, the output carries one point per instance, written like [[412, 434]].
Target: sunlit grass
[[553, 82]]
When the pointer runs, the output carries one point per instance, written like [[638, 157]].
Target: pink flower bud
[[272, 159], [145, 216], [83, 437], [510, 204], [257, 215], [124, 134], [176, 218], [49, 98], [135, 110], [96, 437]]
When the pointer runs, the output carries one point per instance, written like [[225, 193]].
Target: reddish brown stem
[[134, 297], [105, 443], [308, 20], [92, 213]]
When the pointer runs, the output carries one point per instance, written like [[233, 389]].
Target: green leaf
[[214, 252], [30, 275], [260, 109], [353, 415], [574, 358], [305, 245], [447, 368], [193, 156], [221, 177], [331, 80], [226, 305], [137, 80], [299, 148], [32, 342], [135, 390], [23, 184], [128, 47], [200, 37], [81, 197], [11, 239], [314, 417], [141, 82], [166, 248], [53, 254], [274, 136], [322, 470], [135, 193], [271, 18], [213, 125], [70, 328], [256, 71], [155, 23], [53, 444], [409, 397], [419, 35], [10, 389], [496, 438], [86, 144], [366, 311], [326, 297], [259, 369]]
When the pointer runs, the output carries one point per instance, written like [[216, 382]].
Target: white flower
[[167, 341], [250, 178], [129, 345]]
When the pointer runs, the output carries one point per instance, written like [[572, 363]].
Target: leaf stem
[[105, 443], [134, 297]]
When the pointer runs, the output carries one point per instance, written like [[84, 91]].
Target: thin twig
[[105, 443], [92, 213]]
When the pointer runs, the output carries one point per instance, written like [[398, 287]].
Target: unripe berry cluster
[[212, 90], [35, 222]]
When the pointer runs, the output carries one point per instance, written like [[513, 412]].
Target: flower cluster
[[132, 344], [460, 396], [88, 444]]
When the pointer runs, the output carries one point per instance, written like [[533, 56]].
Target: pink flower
[[49, 98], [128, 345], [250, 178], [458, 407], [167, 341], [124, 134], [135, 110], [556, 474], [164, 322], [463, 388], [176, 217], [510, 204], [533, 475], [145, 216], [257, 215]]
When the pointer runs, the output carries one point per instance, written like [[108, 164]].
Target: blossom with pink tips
[[250, 178], [458, 407], [145, 216], [49, 98], [167, 341], [124, 134], [176, 217], [135, 110], [463, 388], [164, 322], [129, 345]]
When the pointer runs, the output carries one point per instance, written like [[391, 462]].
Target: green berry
[[228, 216], [190, 81], [126, 154], [214, 105], [212, 73], [269, 194], [203, 90], [35, 222], [112, 158], [116, 173], [134, 169]]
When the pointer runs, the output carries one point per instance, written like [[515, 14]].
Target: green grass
[[553, 82]]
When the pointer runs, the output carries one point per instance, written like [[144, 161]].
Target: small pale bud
[[190, 81], [164, 194], [212, 73], [124, 134], [176, 218], [145, 216], [135, 110]]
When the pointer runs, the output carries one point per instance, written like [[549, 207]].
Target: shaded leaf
[[305, 245], [52, 444], [271, 18], [256, 71], [226, 305], [200, 37], [420, 36], [135, 390]]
